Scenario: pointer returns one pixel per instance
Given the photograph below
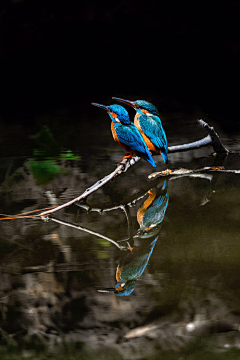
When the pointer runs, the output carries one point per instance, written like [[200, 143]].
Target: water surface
[[184, 263]]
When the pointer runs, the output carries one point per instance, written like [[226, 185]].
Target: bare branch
[[190, 146], [216, 142], [190, 172], [120, 168], [211, 139]]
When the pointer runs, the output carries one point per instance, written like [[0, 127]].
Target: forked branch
[[212, 139]]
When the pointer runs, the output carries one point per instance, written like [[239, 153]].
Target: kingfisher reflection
[[151, 213], [150, 216], [131, 267]]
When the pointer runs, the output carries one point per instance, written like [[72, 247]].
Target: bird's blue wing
[[136, 267], [152, 127], [155, 214], [131, 136]]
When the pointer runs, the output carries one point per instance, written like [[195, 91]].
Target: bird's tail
[[165, 157], [150, 159]]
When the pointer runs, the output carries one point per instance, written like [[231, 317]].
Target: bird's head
[[117, 113], [141, 105], [121, 289], [147, 232], [125, 289]]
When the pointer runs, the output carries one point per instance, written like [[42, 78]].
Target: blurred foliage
[[44, 139], [103, 253], [44, 170], [45, 167], [68, 155], [103, 242]]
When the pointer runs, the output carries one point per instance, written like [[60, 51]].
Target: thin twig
[[126, 210], [88, 231], [102, 210], [24, 215], [123, 166]]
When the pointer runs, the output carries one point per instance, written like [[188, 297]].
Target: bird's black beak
[[128, 102], [101, 106], [107, 290]]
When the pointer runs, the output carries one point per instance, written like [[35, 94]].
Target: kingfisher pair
[[145, 137]]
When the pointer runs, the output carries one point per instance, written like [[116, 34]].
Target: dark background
[[67, 54]]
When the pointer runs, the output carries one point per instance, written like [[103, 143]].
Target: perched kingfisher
[[131, 268], [126, 134], [148, 122], [151, 214]]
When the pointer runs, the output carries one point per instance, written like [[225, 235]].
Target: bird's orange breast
[[124, 146], [118, 273], [145, 206], [114, 134]]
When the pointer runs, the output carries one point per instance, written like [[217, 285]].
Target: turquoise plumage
[[128, 273], [151, 213], [148, 122], [126, 134]]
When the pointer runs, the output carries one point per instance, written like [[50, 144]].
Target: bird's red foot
[[218, 168], [127, 156]]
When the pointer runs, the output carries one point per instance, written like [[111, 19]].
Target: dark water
[[182, 275]]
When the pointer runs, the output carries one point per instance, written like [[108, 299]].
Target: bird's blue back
[[153, 129]]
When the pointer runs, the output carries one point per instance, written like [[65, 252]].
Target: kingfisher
[[148, 122], [131, 268], [126, 134], [151, 213]]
